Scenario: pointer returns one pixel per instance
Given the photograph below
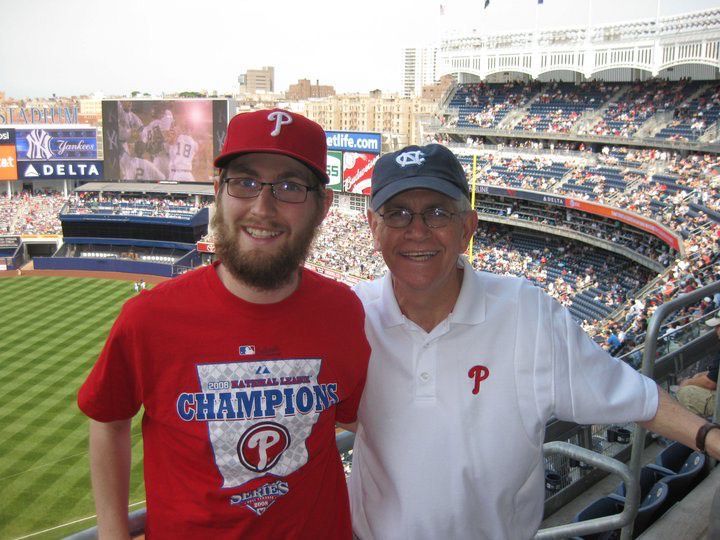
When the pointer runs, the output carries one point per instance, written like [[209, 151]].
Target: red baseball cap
[[276, 131]]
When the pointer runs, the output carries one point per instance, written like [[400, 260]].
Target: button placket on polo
[[425, 378]]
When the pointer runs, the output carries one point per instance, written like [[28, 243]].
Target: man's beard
[[259, 270]]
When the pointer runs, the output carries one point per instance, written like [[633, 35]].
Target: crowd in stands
[[691, 119], [625, 116], [134, 205], [485, 105], [31, 214], [677, 191], [684, 109], [560, 105], [344, 243]]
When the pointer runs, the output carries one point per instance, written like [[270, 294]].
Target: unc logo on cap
[[281, 118], [416, 157]]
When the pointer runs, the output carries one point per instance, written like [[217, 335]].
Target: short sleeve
[[112, 391], [358, 357], [590, 386]]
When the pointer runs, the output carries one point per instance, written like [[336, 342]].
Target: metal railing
[[648, 368]]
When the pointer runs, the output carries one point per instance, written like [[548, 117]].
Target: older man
[[241, 372], [466, 369]]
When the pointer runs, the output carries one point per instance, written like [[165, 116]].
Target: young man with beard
[[241, 373], [467, 368]]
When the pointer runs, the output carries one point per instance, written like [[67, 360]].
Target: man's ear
[[327, 202], [469, 226], [374, 222]]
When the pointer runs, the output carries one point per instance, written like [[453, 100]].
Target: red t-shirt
[[240, 405]]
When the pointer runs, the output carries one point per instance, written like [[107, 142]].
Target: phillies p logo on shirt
[[260, 447]]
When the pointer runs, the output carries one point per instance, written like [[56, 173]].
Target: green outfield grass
[[52, 330]]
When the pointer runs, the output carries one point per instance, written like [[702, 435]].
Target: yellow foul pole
[[473, 179]]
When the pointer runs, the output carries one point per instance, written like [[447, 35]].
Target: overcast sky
[[71, 47]]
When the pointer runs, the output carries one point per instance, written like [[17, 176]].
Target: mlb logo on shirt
[[246, 350]]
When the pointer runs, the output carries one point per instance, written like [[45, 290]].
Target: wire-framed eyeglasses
[[399, 218], [284, 190]]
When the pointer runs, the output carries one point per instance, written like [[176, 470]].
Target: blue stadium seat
[[649, 509]]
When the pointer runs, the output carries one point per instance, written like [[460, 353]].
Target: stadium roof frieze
[[649, 45]]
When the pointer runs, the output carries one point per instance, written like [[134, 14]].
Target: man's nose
[[417, 228], [265, 202]]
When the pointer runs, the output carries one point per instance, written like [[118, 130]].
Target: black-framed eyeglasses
[[285, 190], [435, 218]]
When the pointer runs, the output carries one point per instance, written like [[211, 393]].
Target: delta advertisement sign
[[351, 159], [59, 170], [53, 153]]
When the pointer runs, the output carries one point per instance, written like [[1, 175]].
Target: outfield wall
[[103, 265]]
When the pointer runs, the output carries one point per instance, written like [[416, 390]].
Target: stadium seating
[[649, 509]]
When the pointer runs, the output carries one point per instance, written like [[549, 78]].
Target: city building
[[396, 117], [257, 80], [304, 89], [419, 69]]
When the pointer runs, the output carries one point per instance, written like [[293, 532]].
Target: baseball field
[[52, 329]]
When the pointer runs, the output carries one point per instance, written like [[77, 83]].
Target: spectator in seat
[[699, 393]]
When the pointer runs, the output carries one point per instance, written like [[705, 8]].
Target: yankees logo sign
[[478, 374], [38, 145], [415, 157], [281, 119]]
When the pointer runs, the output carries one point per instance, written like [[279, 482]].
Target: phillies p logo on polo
[[479, 374]]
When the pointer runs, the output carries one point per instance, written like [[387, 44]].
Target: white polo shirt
[[451, 423]]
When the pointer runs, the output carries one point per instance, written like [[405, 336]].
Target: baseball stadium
[[593, 156]]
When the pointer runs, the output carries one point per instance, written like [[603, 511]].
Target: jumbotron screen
[[163, 140]]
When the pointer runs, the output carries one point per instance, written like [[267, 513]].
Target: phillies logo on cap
[[276, 131], [281, 118]]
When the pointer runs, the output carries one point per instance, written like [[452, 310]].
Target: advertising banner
[[630, 218], [627, 217], [205, 247], [7, 137], [334, 170], [357, 172], [50, 143], [57, 170], [160, 140], [9, 242], [8, 156], [352, 141]]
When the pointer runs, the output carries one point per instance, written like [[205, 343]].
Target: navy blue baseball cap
[[431, 167]]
